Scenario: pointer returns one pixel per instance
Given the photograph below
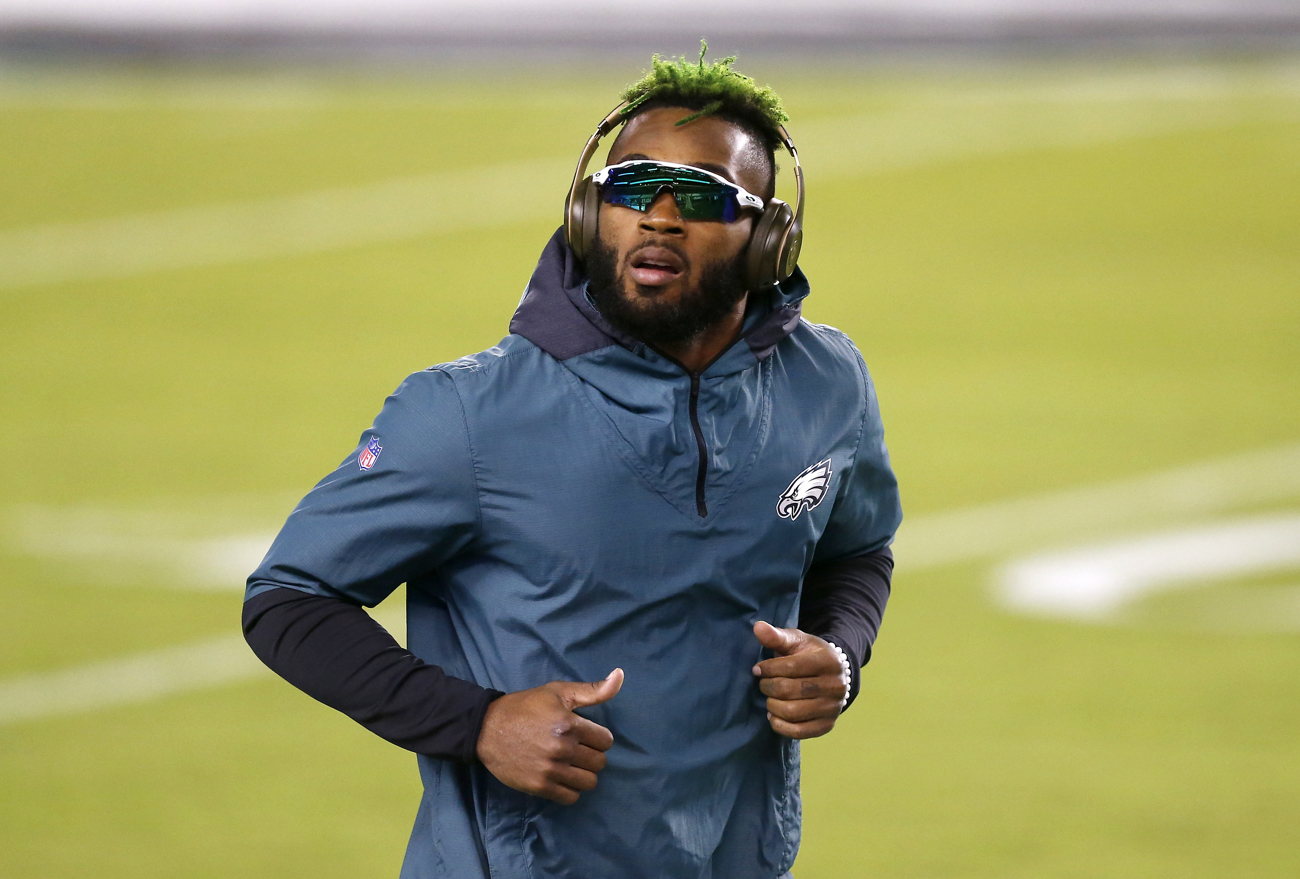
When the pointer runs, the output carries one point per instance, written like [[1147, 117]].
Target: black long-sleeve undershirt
[[844, 603], [336, 653]]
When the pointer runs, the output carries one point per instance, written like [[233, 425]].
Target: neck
[[696, 354]]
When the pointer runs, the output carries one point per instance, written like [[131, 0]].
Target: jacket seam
[[469, 444], [865, 397], [866, 400], [864, 388], [467, 364]]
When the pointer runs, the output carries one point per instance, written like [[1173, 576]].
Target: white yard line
[[990, 531], [212, 545], [142, 677], [219, 564], [391, 210], [915, 138], [1096, 583], [1070, 114], [994, 531]]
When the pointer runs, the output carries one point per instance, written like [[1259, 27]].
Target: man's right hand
[[533, 741]]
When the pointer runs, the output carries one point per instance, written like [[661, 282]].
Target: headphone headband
[[608, 124], [774, 244], [788, 143]]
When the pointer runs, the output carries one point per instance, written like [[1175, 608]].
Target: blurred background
[[1065, 235]]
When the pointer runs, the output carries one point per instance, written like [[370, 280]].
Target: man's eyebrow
[[716, 169], [707, 166]]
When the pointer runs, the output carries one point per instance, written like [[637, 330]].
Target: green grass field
[[1060, 275]]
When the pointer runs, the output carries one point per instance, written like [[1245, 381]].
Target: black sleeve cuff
[[844, 602]]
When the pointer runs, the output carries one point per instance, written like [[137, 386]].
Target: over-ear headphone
[[773, 245]]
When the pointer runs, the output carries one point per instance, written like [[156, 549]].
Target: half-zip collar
[[690, 437]]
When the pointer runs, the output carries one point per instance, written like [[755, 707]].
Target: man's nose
[[662, 216]]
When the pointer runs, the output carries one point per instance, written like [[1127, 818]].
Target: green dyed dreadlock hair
[[708, 89]]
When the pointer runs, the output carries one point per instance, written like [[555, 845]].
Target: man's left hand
[[803, 682]]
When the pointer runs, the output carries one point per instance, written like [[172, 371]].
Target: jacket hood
[[556, 315]]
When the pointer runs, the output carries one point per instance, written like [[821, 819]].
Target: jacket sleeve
[[848, 583], [403, 502], [373, 524], [867, 511]]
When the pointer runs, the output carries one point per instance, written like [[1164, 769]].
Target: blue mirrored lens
[[698, 196]]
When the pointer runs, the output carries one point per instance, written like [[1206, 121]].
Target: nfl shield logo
[[370, 454]]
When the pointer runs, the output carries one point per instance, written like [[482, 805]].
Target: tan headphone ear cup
[[582, 218], [574, 210], [768, 253], [590, 223], [789, 260]]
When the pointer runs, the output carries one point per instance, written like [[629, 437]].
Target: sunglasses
[[700, 194]]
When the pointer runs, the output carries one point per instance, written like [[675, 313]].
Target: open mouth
[[656, 266]]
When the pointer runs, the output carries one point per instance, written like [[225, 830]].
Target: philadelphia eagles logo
[[806, 492]]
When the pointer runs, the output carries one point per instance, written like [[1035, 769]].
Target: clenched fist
[[803, 682], [533, 741]]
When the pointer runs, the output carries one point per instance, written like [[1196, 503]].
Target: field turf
[[1059, 274]]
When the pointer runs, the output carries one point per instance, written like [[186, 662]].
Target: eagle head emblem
[[806, 492]]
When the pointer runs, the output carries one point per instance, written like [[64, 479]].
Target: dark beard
[[661, 324]]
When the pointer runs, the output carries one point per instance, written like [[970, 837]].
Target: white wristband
[[846, 671]]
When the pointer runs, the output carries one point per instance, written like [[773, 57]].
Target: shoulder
[[829, 352], [831, 342], [490, 365], [500, 385], [442, 382]]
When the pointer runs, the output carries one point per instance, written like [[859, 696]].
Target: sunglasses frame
[[743, 198]]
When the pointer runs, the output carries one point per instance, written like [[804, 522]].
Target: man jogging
[[645, 538]]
